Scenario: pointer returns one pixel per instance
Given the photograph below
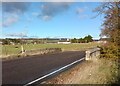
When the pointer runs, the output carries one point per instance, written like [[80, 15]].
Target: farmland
[[15, 49]]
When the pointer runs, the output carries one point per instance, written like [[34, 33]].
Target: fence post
[[87, 57]]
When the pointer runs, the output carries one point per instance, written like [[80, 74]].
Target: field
[[15, 49]]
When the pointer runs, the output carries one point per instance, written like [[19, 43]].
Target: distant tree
[[16, 41], [5, 41], [81, 40], [74, 40], [88, 39]]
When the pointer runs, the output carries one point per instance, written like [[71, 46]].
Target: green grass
[[12, 50]]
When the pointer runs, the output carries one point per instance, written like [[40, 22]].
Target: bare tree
[[111, 23]]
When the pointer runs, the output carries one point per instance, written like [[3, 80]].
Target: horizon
[[45, 38]]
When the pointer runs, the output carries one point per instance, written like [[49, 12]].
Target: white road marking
[[53, 72]]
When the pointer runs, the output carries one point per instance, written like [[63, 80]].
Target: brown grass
[[101, 71]]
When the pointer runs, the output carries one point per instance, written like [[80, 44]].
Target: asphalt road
[[25, 70]]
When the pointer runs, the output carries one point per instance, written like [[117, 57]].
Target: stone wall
[[92, 54], [33, 52], [42, 51]]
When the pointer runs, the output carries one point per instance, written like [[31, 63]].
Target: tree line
[[86, 39], [9, 41]]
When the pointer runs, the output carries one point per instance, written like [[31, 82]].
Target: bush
[[109, 50]]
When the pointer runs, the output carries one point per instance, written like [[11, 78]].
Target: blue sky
[[41, 19]]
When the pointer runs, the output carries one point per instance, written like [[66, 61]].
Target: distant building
[[12, 43], [63, 39], [1, 42], [104, 40], [64, 42]]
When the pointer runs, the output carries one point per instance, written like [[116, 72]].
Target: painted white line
[[53, 72]]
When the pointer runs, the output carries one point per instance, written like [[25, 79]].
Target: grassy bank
[[15, 49], [102, 71]]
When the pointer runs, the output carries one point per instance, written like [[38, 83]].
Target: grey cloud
[[13, 10], [51, 9], [15, 7]]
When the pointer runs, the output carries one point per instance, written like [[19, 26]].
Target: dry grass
[[101, 71]]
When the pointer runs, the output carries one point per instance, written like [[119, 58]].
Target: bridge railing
[[92, 53]]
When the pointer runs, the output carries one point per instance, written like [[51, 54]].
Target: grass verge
[[102, 71]]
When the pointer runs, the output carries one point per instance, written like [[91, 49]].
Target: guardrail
[[92, 53]]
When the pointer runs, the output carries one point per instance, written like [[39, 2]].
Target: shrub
[[109, 50]]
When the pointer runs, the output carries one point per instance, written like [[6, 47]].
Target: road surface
[[25, 70]]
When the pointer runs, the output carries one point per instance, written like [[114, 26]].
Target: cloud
[[83, 16], [22, 34], [79, 10], [11, 12], [35, 13], [48, 10], [10, 20], [51, 9], [15, 7], [46, 18]]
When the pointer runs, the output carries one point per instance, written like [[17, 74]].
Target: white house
[[64, 42]]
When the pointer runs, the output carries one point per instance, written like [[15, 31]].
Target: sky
[[50, 19]]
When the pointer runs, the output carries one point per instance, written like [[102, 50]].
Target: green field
[[15, 49]]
